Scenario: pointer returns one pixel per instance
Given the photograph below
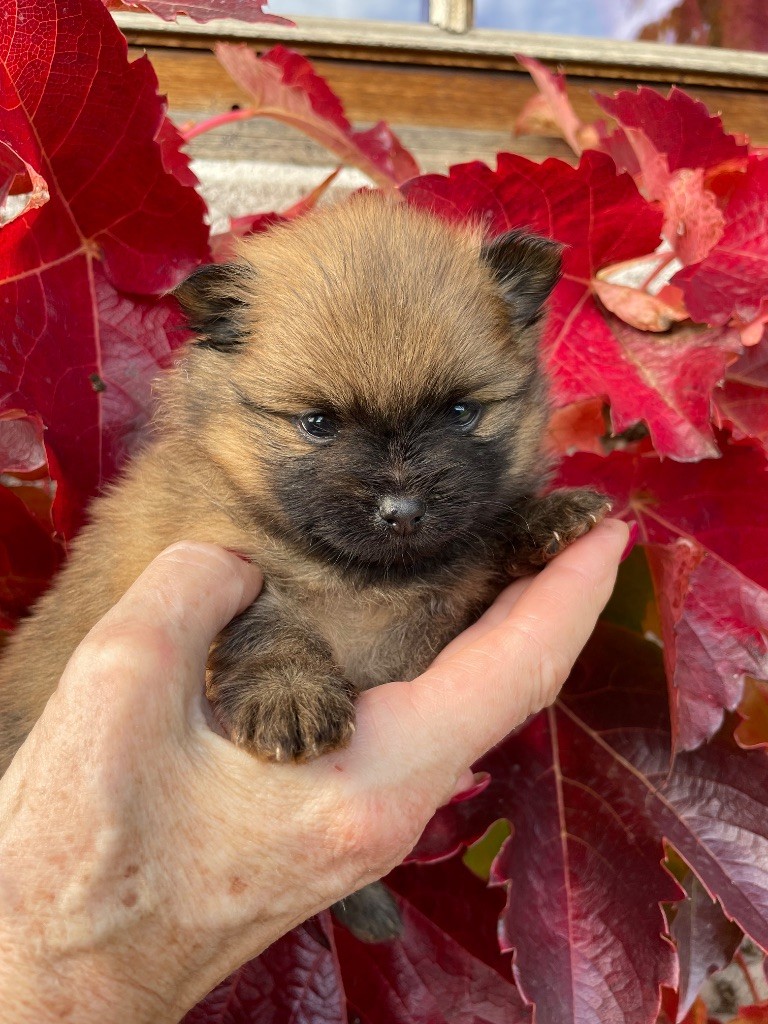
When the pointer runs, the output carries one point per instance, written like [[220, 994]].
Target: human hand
[[143, 856]]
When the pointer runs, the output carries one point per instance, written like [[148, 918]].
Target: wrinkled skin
[[165, 856]]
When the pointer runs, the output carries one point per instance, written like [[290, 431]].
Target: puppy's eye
[[464, 415], [319, 426]]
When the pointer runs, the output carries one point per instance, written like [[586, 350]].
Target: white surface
[[234, 188]]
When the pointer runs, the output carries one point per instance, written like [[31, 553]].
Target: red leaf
[[742, 404], [664, 380], [733, 279], [552, 91], [17, 177], [461, 905], [708, 527], [591, 790], [80, 353], [706, 942], [676, 125], [674, 139], [201, 10], [617, 145], [21, 442], [603, 220], [583, 866], [693, 222], [175, 161], [29, 556], [446, 968], [295, 980], [284, 86], [426, 977]]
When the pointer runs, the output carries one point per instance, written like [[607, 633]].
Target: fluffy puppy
[[362, 414]]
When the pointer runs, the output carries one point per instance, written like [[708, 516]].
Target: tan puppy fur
[[362, 415]]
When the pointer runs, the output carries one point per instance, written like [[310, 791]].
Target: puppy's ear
[[212, 298], [527, 268]]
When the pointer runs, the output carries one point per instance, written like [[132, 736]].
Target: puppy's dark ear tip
[[527, 267], [212, 300]]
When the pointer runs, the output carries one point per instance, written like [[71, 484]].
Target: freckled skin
[[384, 321]]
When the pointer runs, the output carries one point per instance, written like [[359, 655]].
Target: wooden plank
[[426, 97], [478, 48]]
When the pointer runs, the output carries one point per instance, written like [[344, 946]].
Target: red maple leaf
[[284, 86], [677, 126], [705, 941], [445, 969], [600, 216], [295, 980], [553, 105], [79, 276], [591, 789], [733, 278], [707, 527], [673, 141]]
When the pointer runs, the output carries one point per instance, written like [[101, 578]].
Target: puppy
[[362, 413]]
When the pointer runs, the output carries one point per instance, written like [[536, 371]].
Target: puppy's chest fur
[[379, 634]]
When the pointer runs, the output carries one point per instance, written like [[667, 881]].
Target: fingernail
[[480, 781], [634, 529], [239, 554]]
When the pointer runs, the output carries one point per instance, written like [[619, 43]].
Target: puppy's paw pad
[[280, 723]]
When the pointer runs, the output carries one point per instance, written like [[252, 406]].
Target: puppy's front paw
[[554, 523], [575, 512], [279, 720]]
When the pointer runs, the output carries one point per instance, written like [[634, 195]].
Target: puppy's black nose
[[401, 514]]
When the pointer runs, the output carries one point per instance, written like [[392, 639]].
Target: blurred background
[[738, 24]]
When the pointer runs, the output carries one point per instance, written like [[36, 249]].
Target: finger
[[491, 618], [468, 701], [178, 605]]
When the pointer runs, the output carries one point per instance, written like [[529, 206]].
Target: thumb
[[168, 618], [511, 663]]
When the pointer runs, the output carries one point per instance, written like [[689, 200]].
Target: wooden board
[[447, 115]]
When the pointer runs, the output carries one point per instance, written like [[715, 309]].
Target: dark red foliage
[[295, 980], [705, 939], [591, 789], [706, 527], [444, 969]]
